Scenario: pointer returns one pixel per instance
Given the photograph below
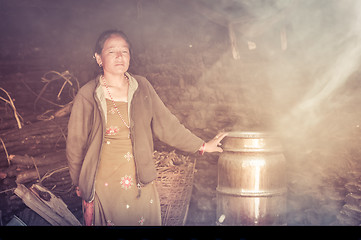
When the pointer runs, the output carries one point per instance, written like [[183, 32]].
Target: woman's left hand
[[214, 144]]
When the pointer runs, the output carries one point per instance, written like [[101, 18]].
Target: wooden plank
[[234, 45], [47, 205]]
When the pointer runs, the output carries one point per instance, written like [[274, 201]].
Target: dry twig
[[42, 98], [45, 116], [11, 103], [36, 168], [6, 151], [50, 77], [66, 76], [50, 173], [7, 190]]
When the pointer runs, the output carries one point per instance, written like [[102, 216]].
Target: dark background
[[307, 92]]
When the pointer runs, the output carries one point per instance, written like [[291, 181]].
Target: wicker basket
[[174, 184]]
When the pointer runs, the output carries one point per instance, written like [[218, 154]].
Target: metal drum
[[251, 180]]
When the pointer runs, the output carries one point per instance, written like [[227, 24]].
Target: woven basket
[[174, 184]]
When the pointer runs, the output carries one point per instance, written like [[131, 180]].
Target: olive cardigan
[[147, 116]]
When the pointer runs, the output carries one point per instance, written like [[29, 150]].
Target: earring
[[100, 64]]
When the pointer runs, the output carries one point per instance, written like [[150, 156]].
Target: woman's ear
[[98, 59]]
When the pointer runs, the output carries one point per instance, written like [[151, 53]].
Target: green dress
[[117, 201]]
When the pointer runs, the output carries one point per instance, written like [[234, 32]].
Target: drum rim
[[251, 134]]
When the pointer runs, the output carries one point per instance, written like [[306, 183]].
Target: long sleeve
[[79, 127], [168, 129]]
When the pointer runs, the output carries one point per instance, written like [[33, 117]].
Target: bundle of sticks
[[34, 139], [32, 154], [32, 146], [49, 170], [25, 169]]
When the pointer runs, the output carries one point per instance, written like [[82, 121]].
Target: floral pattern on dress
[[126, 182], [110, 223], [141, 221], [128, 156], [112, 130], [113, 110]]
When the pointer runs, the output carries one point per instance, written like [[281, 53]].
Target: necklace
[[111, 98]]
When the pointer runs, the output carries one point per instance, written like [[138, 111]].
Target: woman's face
[[115, 56]]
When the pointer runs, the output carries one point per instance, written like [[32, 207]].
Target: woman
[[110, 140]]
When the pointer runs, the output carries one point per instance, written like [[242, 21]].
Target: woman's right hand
[[78, 192], [215, 144]]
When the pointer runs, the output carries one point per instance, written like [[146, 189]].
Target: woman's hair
[[107, 34]]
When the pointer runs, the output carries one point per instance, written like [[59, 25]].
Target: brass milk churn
[[251, 180]]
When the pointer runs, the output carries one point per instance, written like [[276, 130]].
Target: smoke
[[312, 48], [301, 64], [315, 116], [323, 54], [327, 42]]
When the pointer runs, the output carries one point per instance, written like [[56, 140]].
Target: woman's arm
[[169, 130], [79, 127]]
